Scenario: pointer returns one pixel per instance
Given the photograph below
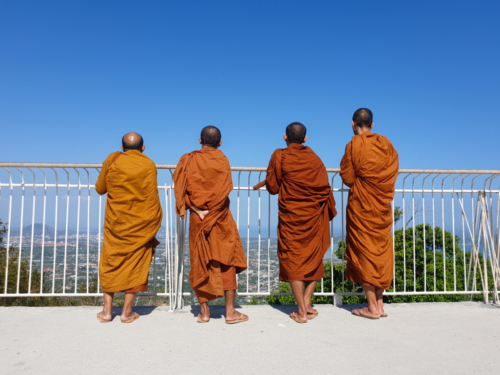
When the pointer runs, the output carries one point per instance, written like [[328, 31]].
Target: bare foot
[[105, 316], [128, 316], [205, 311], [236, 315], [366, 312], [310, 310]]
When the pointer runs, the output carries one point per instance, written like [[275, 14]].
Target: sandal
[[101, 319], [201, 320], [135, 317], [239, 320], [361, 315], [297, 319], [313, 315]]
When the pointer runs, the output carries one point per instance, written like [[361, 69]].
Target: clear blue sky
[[76, 75]]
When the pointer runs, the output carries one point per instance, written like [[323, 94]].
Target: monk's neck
[[208, 148]]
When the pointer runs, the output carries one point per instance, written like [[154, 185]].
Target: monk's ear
[[199, 140], [371, 127], [143, 148], [305, 139], [220, 143], [123, 149], [285, 137]]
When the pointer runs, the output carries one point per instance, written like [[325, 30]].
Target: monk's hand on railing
[[201, 213], [259, 185]]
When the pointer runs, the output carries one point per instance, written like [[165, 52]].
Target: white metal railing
[[59, 255]]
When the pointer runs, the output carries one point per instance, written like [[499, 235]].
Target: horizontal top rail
[[244, 169]]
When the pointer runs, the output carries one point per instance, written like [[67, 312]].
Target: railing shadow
[[216, 312]]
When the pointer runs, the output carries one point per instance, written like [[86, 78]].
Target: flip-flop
[[363, 315], [298, 320], [239, 320], [135, 317], [101, 319], [384, 315], [201, 320], [312, 316]]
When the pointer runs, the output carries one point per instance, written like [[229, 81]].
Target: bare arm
[[346, 168]]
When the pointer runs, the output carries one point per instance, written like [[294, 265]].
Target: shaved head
[[296, 132], [132, 141], [210, 136], [363, 117]]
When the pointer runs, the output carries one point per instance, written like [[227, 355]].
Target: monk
[[370, 168], [133, 216], [306, 206], [202, 183]]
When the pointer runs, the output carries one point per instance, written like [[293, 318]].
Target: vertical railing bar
[[463, 232], [248, 234], [343, 238], [423, 233], [473, 225], [269, 243], [238, 217], [99, 241], [332, 267], [167, 249], [414, 238], [453, 223], [434, 232], [66, 234], [43, 229], [393, 249], [8, 232], [77, 228], [20, 234], [443, 230], [404, 233], [172, 248], [88, 230], [258, 247], [32, 230]]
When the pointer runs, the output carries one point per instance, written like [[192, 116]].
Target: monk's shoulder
[[111, 158], [148, 162], [385, 141]]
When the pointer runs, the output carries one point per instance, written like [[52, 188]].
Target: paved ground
[[458, 338]]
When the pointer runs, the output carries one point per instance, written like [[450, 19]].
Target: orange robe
[[203, 179], [133, 216], [306, 206], [370, 168]]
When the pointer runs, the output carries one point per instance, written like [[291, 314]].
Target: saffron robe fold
[[132, 219], [370, 168], [306, 206], [203, 179]]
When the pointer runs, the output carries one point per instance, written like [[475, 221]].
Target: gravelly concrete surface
[[437, 338]]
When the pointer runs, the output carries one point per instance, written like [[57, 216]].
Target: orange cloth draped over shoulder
[[370, 168], [306, 206], [203, 179], [133, 217]]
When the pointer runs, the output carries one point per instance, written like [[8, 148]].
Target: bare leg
[[308, 292], [127, 312], [372, 308], [107, 311], [298, 293], [380, 301], [231, 313], [205, 311]]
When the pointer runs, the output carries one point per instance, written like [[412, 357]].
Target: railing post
[[180, 235], [337, 300]]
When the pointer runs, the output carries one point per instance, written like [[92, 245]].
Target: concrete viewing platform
[[423, 338]]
